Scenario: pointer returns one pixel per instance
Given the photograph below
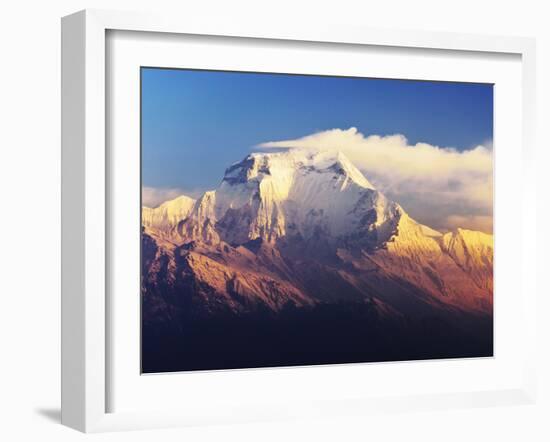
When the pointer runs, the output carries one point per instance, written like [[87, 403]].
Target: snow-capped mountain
[[168, 214], [304, 228], [292, 193]]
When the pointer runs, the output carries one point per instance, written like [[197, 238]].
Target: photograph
[[301, 220]]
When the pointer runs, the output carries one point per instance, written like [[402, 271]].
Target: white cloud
[[439, 186]]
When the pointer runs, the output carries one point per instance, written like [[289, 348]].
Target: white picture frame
[[85, 310]]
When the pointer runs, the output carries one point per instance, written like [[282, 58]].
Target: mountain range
[[301, 237]]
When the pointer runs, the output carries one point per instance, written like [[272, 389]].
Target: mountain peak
[[345, 166], [167, 214], [284, 165]]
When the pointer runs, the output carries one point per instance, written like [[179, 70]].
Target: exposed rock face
[[298, 229]]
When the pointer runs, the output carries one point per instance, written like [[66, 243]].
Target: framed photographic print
[[289, 253], [266, 222]]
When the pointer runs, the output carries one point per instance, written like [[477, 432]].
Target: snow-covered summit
[[283, 166], [168, 214], [300, 192]]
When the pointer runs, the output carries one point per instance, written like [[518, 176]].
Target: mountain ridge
[[167, 214], [305, 228]]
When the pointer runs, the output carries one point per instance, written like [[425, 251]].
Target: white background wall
[[30, 220]]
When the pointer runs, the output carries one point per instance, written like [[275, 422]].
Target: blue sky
[[197, 123]]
